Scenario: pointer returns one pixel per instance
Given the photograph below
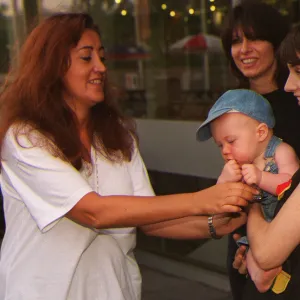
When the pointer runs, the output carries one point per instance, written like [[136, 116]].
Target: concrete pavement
[[167, 279], [162, 286]]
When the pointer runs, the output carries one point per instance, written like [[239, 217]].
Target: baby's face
[[237, 137]]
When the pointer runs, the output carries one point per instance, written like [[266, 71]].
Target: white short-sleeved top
[[44, 255]]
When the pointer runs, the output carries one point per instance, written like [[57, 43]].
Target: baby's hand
[[231, 172], [251, 174]]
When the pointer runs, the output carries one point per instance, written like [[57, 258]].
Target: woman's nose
[[99, 65], [245, 46], [291, 83]]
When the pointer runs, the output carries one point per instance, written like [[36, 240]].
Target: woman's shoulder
[[282, 98], [23, 135], [283, 101], [279, 95]]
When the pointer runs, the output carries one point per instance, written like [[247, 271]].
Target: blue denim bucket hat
[[240, 100]]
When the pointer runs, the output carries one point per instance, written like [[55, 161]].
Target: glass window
[[164, 57]]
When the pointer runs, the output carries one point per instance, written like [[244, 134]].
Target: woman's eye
[[86, 58], [236, 40], [103, 59]]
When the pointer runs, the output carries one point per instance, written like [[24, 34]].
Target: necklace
[[94, 153]]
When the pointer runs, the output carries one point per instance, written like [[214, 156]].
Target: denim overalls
[[268, 201]]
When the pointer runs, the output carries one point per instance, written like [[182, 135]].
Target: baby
[[241, 123]]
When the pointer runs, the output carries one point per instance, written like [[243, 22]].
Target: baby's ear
[[262, 131]]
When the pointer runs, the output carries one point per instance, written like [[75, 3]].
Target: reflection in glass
[[164, 57]]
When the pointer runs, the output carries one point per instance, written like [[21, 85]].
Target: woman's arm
[[93, 210], [271, 243], [127, 211], [245, 263], [51, 189], [262, 279], [196, 227]]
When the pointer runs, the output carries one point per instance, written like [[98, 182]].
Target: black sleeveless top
[[290, 266]]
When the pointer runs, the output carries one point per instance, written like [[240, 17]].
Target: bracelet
[[212, 229]]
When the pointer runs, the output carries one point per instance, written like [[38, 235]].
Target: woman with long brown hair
[[74, 184]]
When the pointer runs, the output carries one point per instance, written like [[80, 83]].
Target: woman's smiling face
[[253, 57], [84, 80]]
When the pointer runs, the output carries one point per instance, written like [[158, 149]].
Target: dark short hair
[[258, 21], [290, 47]]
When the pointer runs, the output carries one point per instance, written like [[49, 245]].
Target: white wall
[[171, 146]]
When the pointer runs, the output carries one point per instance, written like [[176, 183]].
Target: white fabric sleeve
[[48, 186], [139, 175]]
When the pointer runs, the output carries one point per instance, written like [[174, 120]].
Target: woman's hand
[[228, 222], [225, 197], [240, 262]]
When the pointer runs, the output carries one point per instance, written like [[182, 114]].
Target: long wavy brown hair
[[32, 96]]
